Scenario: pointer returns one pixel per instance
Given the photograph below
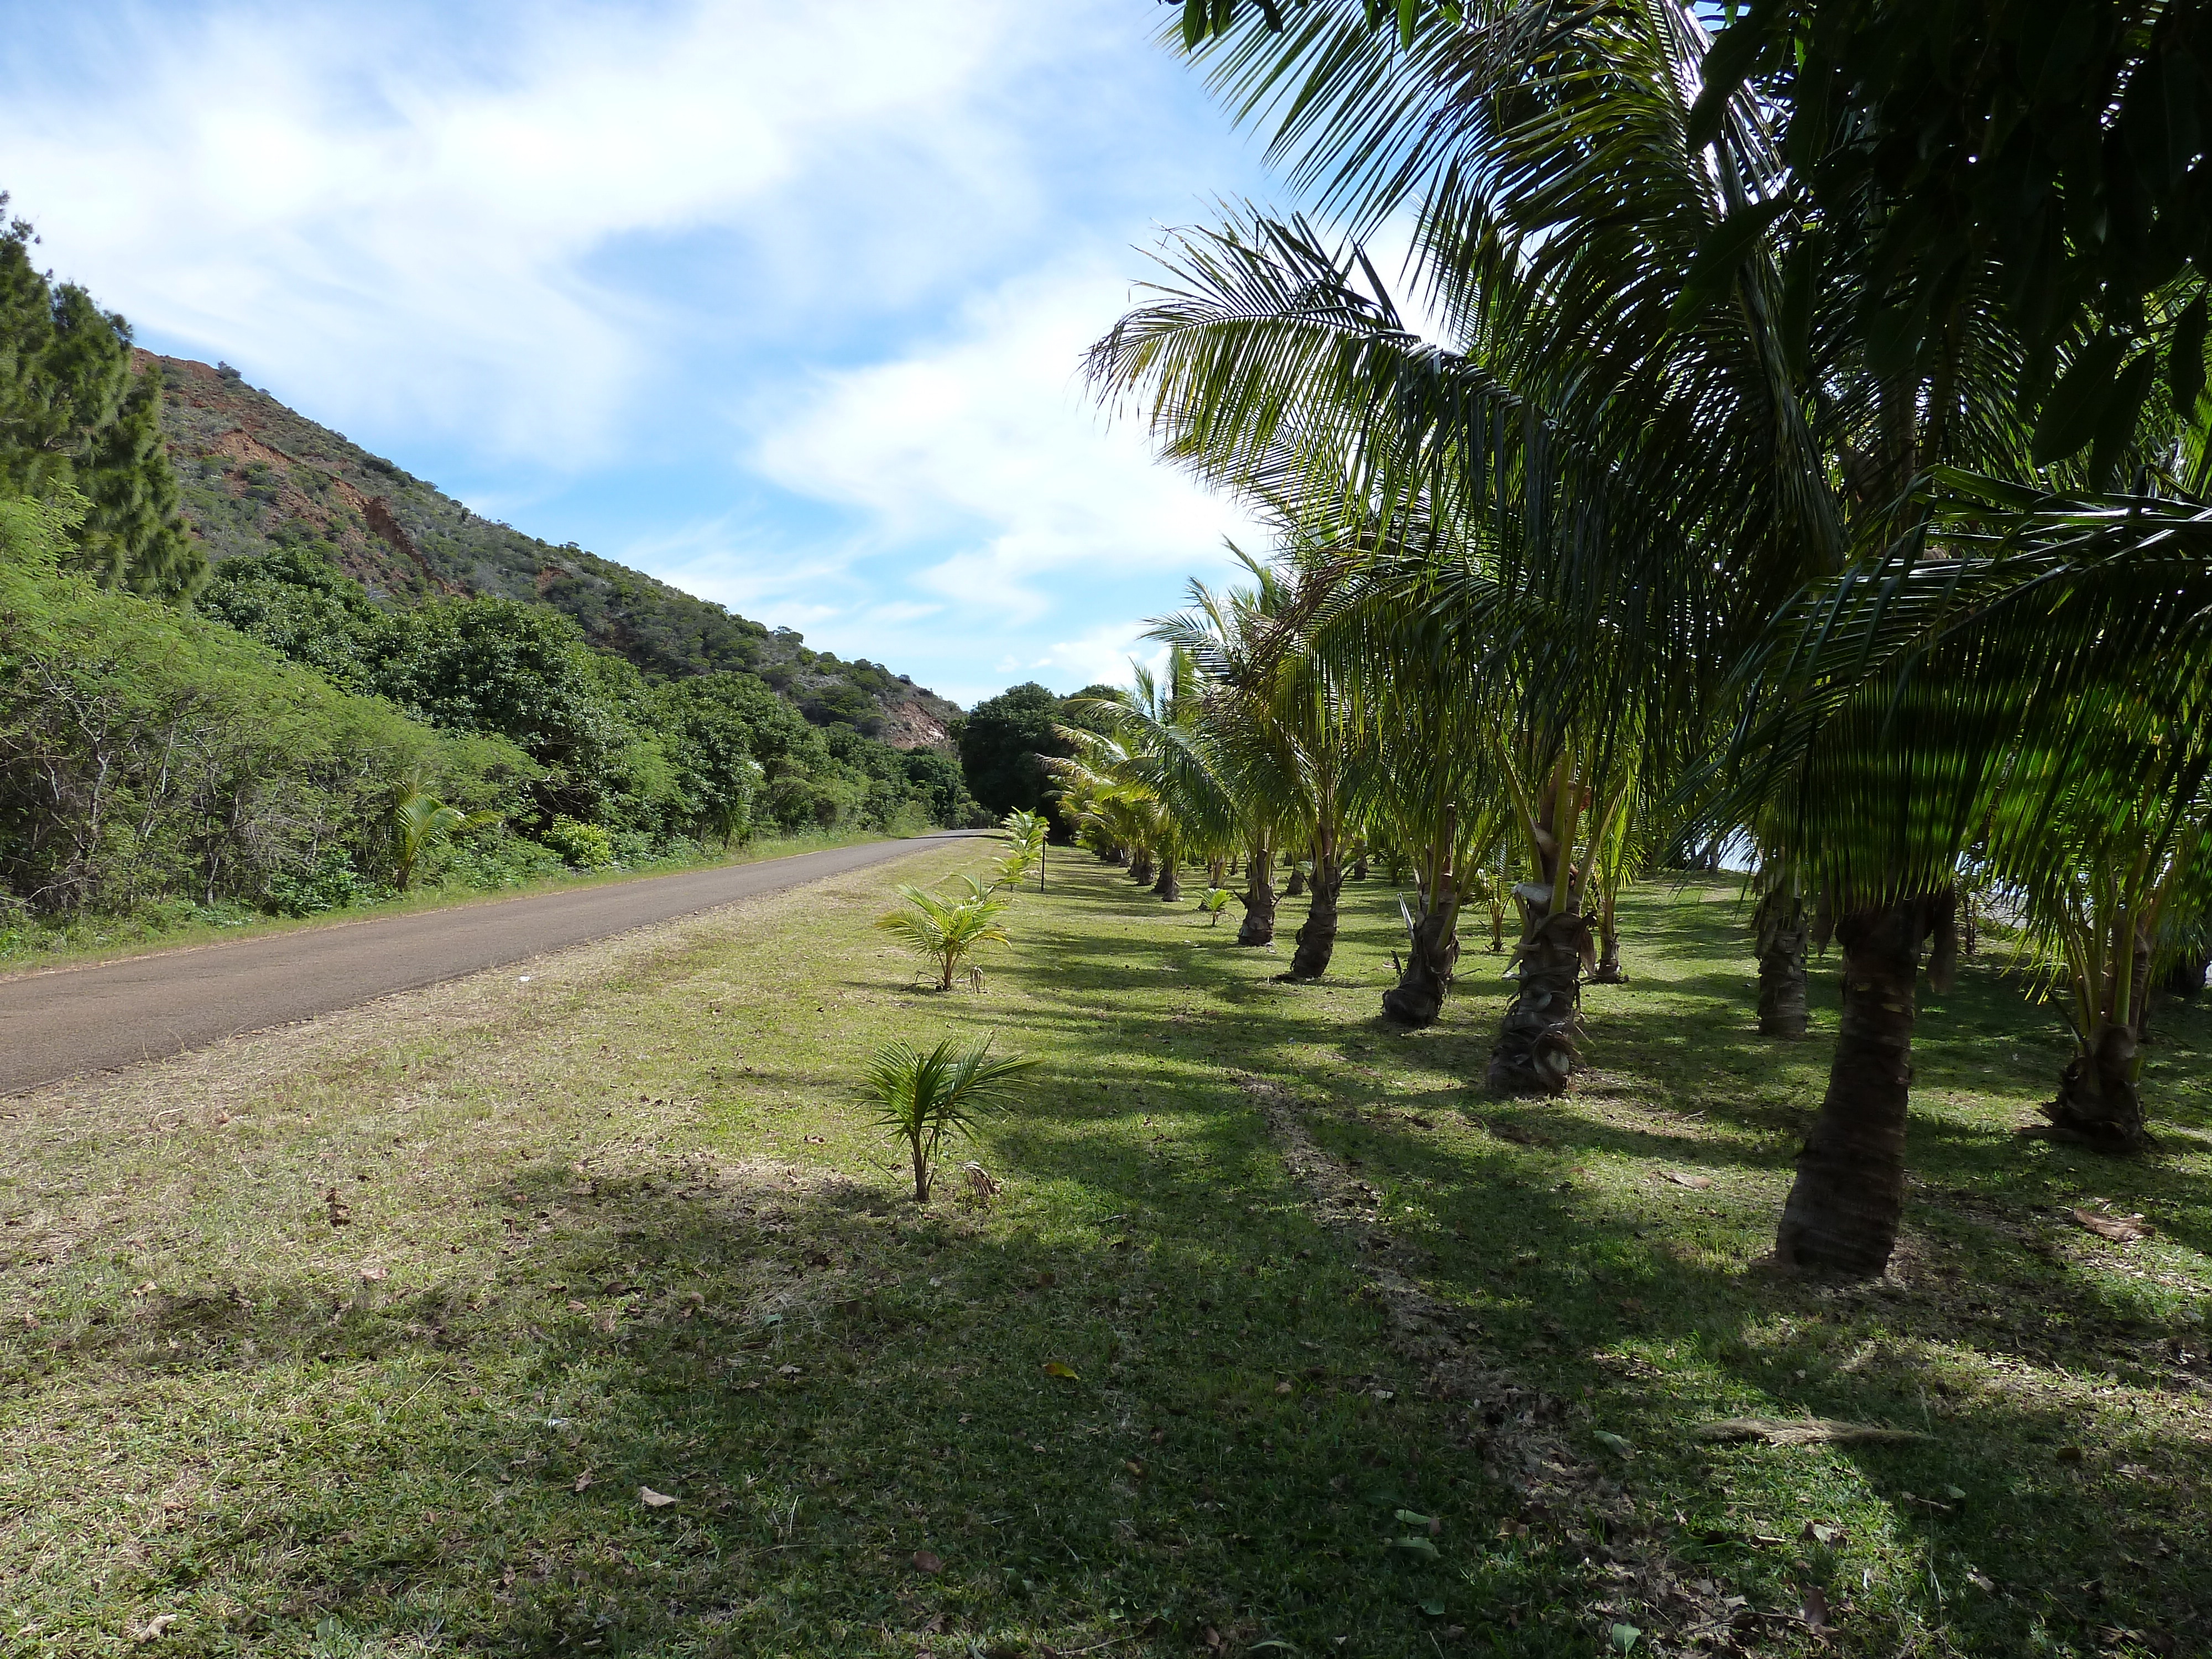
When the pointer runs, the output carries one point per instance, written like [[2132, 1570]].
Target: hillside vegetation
[[255, 475], [294, 679]]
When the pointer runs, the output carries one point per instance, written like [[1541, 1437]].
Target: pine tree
[[73, 416], [134, 531]]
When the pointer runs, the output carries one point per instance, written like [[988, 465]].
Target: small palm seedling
[[1025, 833], [1214, 902], [942, 931], [419, 824], [928, 1097]]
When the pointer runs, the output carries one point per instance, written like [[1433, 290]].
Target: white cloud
[[415, 235], [991, 508], [988, 440], [1101, 656]]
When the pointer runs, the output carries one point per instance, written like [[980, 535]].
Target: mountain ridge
[[255, 474]]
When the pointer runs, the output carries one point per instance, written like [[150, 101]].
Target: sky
[[784, 304]]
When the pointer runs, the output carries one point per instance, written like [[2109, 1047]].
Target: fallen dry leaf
[[1696, 1180], [373, 1275], [156, 1626], [1816, 1608], [2120, 1228], [1060, 1368], [1819, 1532], [653, 1500], [1134, 1466], [925, 1561], [583, 1480], [1282, 1388]]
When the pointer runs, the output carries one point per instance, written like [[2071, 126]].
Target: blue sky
[[782, 302]]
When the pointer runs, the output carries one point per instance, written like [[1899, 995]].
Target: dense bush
[[713, 756], [144, 753], [586, 846]]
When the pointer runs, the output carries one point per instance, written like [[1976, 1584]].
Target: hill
[[254, 474]]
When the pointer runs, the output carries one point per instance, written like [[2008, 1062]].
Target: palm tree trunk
[[1258, 926], [1298, 884], [1168, 887], [2099, 1103], [1431, 957], [1215, 871], [1782, 1004], [1141, 868], [1849, 1197], [1535, 1048], [1317, 938], [1359, 865], [1608, 971]]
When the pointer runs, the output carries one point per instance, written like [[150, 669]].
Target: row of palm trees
[[1656, 501]]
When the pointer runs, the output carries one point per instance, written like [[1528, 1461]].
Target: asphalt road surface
[[74, 1020]]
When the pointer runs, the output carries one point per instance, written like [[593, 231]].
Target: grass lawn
[[366, 1337]]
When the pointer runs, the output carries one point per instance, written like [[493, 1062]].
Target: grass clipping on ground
[[585, 1312]]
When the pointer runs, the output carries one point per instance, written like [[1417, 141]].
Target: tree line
[[1791, 438]]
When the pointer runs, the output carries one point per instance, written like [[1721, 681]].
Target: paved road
[[74, 1020]]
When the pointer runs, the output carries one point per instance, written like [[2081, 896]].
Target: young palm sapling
[[926, 1097]]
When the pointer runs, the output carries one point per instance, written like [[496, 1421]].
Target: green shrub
[[332, 885], [146, 753], [495, 863], [586, 846]]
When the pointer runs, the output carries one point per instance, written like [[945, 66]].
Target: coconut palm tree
[[1282, 734], [2037, 695], [1671, 388], [944, 930], [925, 1099], [421, 824]]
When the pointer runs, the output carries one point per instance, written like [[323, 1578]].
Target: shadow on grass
[[833, 1388]]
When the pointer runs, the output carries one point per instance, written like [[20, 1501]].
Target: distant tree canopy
[[72, 414], [1002, 738]]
